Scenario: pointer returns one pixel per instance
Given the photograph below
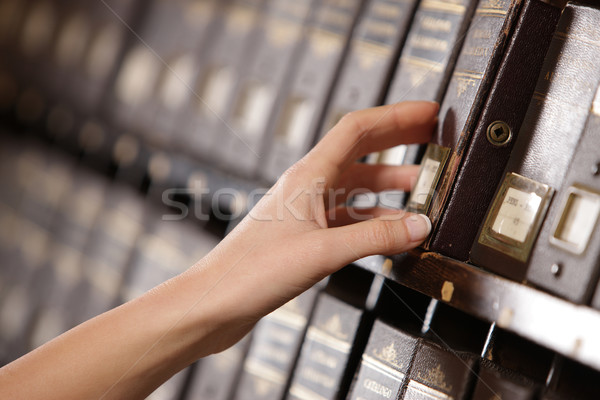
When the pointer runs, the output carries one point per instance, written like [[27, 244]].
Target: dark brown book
[[262, 85], [545, 146], [216, 376], [372, 57], [222, 63], [565, 258], [435, 38], [326, 350], [384, 364], [495, 133], [493, 81], [158, 68], [299, 115], [439, 373], [494, 382], [273, 350]]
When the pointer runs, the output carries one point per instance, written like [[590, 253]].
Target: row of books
[[183, 98], [211, 94], [74, 244]]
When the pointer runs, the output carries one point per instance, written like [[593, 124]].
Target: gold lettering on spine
[[377, 388], [378, 28], [385, 10], [465, 79], [282, 33], [429, 43], [240, 19], [312, 375], [325, 43], [434, 24], [437, 378]]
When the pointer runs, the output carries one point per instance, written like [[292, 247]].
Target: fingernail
[[418, 226]]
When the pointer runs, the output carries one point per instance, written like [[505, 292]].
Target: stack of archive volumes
[[121, 122]]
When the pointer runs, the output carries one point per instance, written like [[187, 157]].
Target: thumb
[[389, 234]]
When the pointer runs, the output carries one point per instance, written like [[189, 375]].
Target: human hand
[[294, 237], [301, 231]]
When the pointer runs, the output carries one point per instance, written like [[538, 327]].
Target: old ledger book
[[298, 118], [566, 257], [384, 363], [481, 113], [546, 144], [374, 49], [426, 63]]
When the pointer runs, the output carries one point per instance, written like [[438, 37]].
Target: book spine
[[545, 146], [496, 131], [274, 348], [157, 70], [504, 384], [426, 62], [384, 364], [473, 75], [112, 241], [63, 278], [371, 60], [565, 257], [439, 373], [298, 119], [225, 60], [259, 89], [216, 376], [326, 350]]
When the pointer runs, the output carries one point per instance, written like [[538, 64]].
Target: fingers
[[342, 215], [384, 235], [376, 178], [375, 129]]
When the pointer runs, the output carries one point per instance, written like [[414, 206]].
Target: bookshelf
[[77, 121]]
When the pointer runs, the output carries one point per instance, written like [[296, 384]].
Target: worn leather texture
[[430, 51], [483, 163], [443, 370], [496, 382], [555, 118], [474, 73], [578, 274], [371, 59], [390, 348], [313, 81]]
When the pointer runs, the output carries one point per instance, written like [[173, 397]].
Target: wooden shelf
[[569, 329]]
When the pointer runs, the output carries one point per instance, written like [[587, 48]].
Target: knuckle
[[382, 235]]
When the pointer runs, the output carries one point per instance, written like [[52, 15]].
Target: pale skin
[[292, 239]]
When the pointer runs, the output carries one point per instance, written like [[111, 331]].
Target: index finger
[[374, 129]]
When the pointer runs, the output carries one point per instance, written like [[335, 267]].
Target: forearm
[[124, 353]]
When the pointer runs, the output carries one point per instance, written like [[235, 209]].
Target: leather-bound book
[[384, 364], [426, 62], [157, 71], [335, 337], [494, 382], [544, 150], [566, 257], [64, 273], [373, 54], [223, 61], [216, 376], [326, 350], [488, 94], [110, 247], [439, 373], [488, 150], [260, 88], [273, 350], [299, 115]]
